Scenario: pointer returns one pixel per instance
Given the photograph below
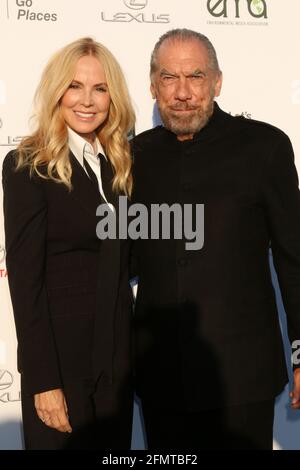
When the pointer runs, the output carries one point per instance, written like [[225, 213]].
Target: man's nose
[[183, 89]]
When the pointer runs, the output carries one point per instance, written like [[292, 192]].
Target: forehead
[[89, 65], [176, 54]]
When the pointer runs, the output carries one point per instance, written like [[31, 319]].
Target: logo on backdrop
[[135, 16], [3, 272], [10, 141], [2, 253], [1, 123], [244, 114], [6, 379], [28, 10], [136, 4], [6, 383], [238, 12]]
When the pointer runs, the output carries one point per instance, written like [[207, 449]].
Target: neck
[[185, 137], [90, 138]]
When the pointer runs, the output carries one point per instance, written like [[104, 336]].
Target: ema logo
[[221, 8], [136, 4]]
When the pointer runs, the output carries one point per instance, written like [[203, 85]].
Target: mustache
[[183, 107]]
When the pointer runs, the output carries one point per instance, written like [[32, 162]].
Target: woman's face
[[85, 104]]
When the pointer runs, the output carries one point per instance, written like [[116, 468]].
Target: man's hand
[[52, 409], [295, 394]]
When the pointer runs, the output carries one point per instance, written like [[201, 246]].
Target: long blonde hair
[[48, 145]]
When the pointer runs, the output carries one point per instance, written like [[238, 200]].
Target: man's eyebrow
[[197, 73], [166, 72]]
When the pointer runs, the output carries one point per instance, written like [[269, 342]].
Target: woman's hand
[[51, 408], [295, 394]]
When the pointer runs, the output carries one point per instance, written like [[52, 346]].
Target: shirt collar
[[80, 147]]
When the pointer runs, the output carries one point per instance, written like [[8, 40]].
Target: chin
[[85, 129]]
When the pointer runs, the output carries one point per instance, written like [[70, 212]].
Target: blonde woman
[[70, 292]]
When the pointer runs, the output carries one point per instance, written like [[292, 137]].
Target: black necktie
[[91, 173], [107, 175]]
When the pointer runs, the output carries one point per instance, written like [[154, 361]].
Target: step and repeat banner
[[257, 42]]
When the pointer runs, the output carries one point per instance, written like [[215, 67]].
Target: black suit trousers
[[101, 418], [240, 427]]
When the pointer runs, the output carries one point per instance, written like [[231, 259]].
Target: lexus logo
[[2, 253], [6, 379], [136, 14], [136, 4]]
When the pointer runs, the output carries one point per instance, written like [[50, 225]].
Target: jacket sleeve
[[25, 223], [282, 203]]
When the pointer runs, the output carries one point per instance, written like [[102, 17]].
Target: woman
[[70, 292]]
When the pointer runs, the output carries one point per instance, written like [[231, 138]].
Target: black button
[[182, 262]]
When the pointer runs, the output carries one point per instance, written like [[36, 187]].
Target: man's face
[[184, 86]]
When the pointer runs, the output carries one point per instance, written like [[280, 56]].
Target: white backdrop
[[257, 43]]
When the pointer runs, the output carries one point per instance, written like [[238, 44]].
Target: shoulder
[[147, 137], [9, 168], [10, 162], [261, 131], [267, 144], [13, 176]]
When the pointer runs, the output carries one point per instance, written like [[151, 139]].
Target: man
[[209, 353]]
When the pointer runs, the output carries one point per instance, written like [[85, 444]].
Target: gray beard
[[184, 125]]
